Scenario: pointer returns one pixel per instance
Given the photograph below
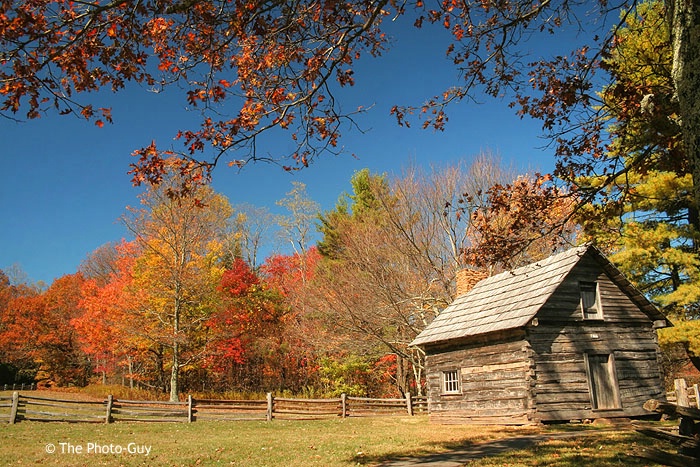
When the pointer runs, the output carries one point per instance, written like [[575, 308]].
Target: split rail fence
[[18, 407], [18, 387], [683, 404]]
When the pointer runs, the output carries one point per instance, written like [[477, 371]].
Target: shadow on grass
[[585, 448]]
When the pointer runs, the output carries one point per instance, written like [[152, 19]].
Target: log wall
[[539, 373], [561, 338], [495, 382]]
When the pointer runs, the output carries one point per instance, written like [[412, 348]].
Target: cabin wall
[[495, 380], [562, 339]]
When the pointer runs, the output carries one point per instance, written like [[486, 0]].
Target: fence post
[[681, 393], [344, 404], [409, 404], [190, 403], [269, 406], [15, 406], [110, 402]]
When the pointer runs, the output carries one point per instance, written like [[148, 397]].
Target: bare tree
[[100, 264], [250, 229], [297, 227], [393, 267]]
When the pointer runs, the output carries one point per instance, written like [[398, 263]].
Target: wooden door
[[602, 382]]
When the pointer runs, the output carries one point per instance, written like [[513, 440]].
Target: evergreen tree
[[646, 215]]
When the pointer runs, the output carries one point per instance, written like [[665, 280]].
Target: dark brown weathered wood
[[44, 409], [121, 414], [492, 376], [30, 414], [307, 412], [665, 435], [523, 345], [230, 418], [67, 401], [134, 402], [228, 403], [662, 407], [73, 405], [232, 407], [153, 420], [308, 401], [686, 439], [667, 458]]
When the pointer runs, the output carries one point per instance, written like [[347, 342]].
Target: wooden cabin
[[566, 338]]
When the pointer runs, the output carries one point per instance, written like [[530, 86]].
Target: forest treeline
[[189, 304], [184, 304]]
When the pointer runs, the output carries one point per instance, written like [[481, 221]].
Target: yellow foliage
[[686, 332]]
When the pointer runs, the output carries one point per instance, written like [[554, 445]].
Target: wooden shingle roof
[[511, 299]]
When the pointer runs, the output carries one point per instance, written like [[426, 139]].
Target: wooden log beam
[[667, 458], [15, 407], [653, 405], [665, 435], [109, 405]]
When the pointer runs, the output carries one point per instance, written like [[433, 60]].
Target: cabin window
[[450, 382], [602, 382], [590, 300]]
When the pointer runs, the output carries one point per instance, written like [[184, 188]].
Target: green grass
[[600, 450], [353, 441]]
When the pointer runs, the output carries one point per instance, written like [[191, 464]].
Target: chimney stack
[[466, 279]]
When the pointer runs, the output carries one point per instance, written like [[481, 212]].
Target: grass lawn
[[353, 441]]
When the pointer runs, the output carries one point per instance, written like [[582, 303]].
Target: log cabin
[[566, 338]]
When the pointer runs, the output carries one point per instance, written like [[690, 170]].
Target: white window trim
[[451, 385]]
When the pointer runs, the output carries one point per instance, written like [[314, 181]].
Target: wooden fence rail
[[684, 395], [304, 409], [148, 411], [363, 405], [214, 409], [18, 387], [19, 407], [686, 438], [43, 409]]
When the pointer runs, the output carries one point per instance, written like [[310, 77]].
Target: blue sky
[[64, 182]]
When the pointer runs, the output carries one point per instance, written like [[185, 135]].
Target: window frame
[[451, 383], [595, 311]]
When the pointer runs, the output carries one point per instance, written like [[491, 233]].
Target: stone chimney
[[466, 279]]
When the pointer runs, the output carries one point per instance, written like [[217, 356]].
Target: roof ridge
[[476, 313], [535, 265]]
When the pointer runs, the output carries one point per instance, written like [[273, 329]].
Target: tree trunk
[[418, 376], [684, 19], [131, 372], [175, 373], [175, 370]]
